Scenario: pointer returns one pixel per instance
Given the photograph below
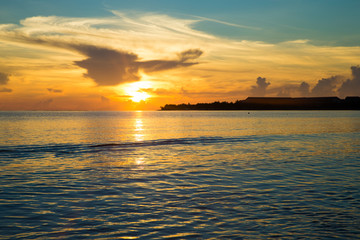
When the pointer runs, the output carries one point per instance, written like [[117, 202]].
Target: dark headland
[[275, 103]]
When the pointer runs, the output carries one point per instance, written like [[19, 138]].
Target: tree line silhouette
[[273, 103]]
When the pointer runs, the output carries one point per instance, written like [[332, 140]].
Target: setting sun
[[137, 91], [139, 96]]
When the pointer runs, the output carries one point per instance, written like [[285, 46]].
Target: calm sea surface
[[180, 175]]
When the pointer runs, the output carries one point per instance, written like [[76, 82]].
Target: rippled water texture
[[186, 175]]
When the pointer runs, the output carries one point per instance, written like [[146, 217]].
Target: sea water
[[180, 175]]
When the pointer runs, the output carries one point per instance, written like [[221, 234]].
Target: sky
[[140, 55]]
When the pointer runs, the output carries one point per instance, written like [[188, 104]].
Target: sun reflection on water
[[138, 127]]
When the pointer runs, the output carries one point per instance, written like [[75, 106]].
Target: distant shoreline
[[273, 103]]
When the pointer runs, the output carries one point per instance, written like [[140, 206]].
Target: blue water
[[180, 175]]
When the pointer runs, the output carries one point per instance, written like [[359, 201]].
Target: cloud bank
[[325, 87], [351, 87]]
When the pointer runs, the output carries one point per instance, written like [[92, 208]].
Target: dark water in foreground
[[180, 175]]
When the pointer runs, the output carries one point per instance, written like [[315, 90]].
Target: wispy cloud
[[53, 90], [227, 23]]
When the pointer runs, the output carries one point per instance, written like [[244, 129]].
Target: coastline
[[273, 103]]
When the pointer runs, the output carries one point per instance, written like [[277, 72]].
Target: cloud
[[7, 90], [124, 47], [325, 87], [189, 54], [110, 67], [227, 23], [106, 65], [4, 78], [351, 87], [304, 89], [290, 90], [182, 61], [54, 90], [260, 89], [44, 104]]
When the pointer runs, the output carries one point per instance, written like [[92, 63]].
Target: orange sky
[[141, 61]]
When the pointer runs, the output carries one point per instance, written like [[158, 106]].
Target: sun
[[136, 91], [139, 96]]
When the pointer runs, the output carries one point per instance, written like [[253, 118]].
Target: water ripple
[[252, 187]]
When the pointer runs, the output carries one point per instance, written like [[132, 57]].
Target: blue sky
[[330, 22]]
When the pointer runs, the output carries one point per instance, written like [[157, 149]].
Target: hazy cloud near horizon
[[351, 87], [4, 78], [260, 89], [304, 89], [325, 87], [6, 90]]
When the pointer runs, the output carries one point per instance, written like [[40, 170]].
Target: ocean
[[180, 175]]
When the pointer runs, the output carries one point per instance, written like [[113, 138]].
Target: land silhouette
[[274, 103]]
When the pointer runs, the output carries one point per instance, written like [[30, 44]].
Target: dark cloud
[[109, 67], [182, 61], [260, 89], [4, 78], [325, 87], [351, 87], [189, 54], [304, 89], [54, 90], [7, 90]]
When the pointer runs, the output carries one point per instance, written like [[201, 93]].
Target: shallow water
[[205, 175]]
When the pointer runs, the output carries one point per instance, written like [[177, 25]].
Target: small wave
[[176, 141], [60, 149]]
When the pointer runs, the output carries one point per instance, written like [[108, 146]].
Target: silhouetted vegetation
[[274, 103]]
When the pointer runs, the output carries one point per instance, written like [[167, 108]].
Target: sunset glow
[[70, 60], [136, 91], [139, 96]]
